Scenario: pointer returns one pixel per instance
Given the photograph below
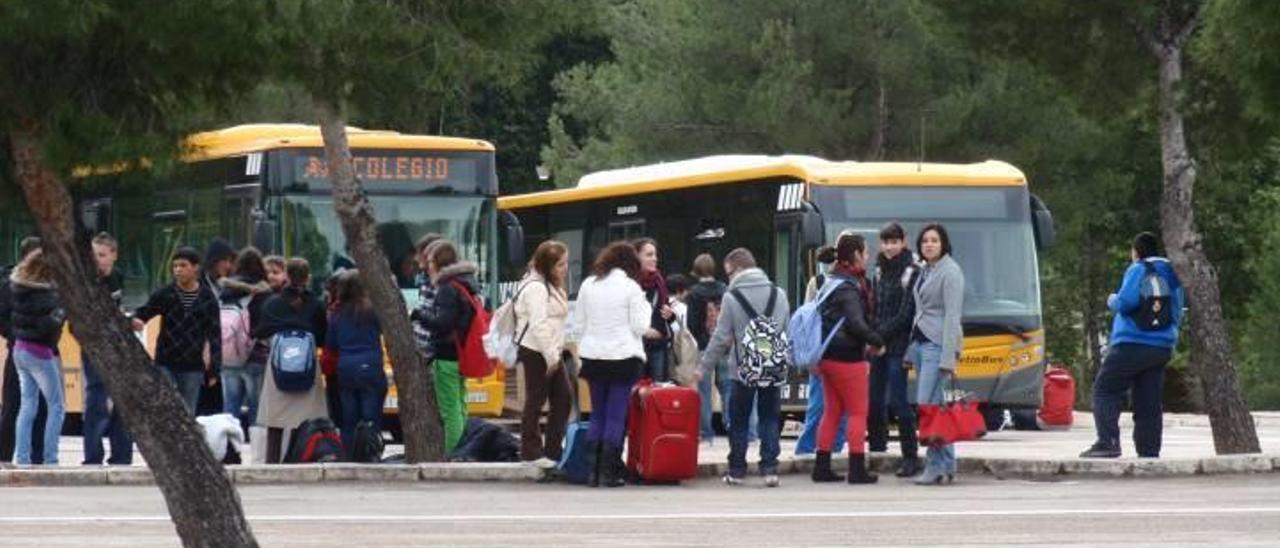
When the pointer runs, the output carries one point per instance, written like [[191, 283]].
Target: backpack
[[293, 360], [501, 341], [1155, 302], [315, 440], [236, 342], [367, 443], [763, 350], [473, 361], [805, 329]]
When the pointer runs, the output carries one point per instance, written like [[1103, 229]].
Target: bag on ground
[[315, 440], [662, 432], [293, 360], [763, 351], [805, 330], [473, 361], [1059, 400], [367, 443]]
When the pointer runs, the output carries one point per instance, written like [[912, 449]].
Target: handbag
[[954, 420]]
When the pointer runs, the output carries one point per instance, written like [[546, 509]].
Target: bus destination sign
[[388, 168]]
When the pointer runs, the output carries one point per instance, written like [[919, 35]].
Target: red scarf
[[654, 280], [859, 275]]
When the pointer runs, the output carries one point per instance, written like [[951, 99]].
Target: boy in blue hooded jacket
[[1136, 358]]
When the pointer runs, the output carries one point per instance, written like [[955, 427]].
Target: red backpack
[[473, 361]]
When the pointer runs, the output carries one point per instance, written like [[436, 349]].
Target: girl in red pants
[[844, 366]]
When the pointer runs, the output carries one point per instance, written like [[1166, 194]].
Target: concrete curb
[[1026, 469]]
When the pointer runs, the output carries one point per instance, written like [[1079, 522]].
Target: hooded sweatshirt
[[704, 293], [756, 287], [1126, 300]]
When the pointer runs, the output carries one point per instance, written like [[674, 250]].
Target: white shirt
[[610, 318]]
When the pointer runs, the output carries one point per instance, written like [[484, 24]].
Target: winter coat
[[939, 293], [895, 306], [610, 317], [1124, 303], [37, 315], [450, 313], [846, 301], [541, 311], [355, 337], [701, 295], [292, 308], [184, 333], [732, 324]]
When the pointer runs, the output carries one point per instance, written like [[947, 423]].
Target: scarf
[[859, 275], [650, 281]]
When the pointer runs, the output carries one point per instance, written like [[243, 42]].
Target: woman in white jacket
[[541, 309], [612, 315]]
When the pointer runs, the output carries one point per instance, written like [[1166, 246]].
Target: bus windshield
[[312, 230], [991, 238]]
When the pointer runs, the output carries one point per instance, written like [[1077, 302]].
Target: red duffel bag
[[950, 422], [1059, 399]]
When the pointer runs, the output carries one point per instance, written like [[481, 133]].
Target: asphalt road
[[1241, 510]]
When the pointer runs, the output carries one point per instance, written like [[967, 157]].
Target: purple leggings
[[609, 411]]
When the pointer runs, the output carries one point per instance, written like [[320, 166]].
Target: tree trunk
[[1233, 428], [880, 125], [419, 414], [202, 502]]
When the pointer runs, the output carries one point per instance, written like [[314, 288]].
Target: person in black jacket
[[12, 393], [896, 274], [447, 320], [189, 323], [657, 342], [37, 325], [703, 303], [844, 366]]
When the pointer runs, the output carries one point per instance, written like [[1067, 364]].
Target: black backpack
[[315, 440], [1155, 303], [367, 443]]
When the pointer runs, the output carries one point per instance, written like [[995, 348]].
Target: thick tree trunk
[[1233, 428], [419, 414], [202, 501]]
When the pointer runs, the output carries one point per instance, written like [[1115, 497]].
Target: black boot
[[858, 473], [822, 472], [909, 467], [612, 471], [593, 463]]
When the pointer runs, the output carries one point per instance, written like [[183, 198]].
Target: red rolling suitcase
[[662, 432], [1059, 400]]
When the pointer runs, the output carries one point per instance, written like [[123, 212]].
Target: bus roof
[[714, 170], [240, 140]]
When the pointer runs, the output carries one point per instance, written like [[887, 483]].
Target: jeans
[[188, 384], [930, 389], [38, 376], [241, 387], [808, 441], [844, 394], [889, 399], [768, 403], [9, 415], [99, 421], [1136, 368], [364, 391], [609, 401], [658, 363], [451, 396], [724, 384], [538, 388]]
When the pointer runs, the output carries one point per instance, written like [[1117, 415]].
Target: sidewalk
[[1040, 455]]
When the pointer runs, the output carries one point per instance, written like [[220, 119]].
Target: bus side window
[[627, 230]]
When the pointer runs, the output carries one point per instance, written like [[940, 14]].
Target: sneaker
[[772, 480], [1101, 451], [732, 481], [543, 463]]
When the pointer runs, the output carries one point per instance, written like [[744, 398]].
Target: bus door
[[790, 274]]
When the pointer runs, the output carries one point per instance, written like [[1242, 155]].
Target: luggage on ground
[[574, 464], [662, 432], [483, 441], [1059, 400], [367, 443], [315, 440]]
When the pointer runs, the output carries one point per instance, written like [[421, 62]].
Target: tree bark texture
[[1232, 425], [419, 414], [202, 502]]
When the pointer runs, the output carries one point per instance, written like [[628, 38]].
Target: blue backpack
[[805, 329], [293, 360]]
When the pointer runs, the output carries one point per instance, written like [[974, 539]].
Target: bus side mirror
[[514, 235], [1042, 224], [264, 233], [813, 230]]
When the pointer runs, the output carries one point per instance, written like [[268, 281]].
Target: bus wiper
[[993, 328]]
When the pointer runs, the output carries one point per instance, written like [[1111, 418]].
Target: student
[[37, 325], [896, 273], [705, 296], [12, 392], [844, 366], [426, 294], [808, 441], [749, 290], [97, 420], [678, 284], [541, 308], [611, 316], [293, 308], [1139, 352], [354, 333], [447, 320], [189, 321], [219, 263], [242, 381], [936, 337], [657, 340]]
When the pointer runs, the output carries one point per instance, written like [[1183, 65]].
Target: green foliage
[[1241, 42], [1260, 372]]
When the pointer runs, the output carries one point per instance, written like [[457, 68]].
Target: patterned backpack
[[763, 350]]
